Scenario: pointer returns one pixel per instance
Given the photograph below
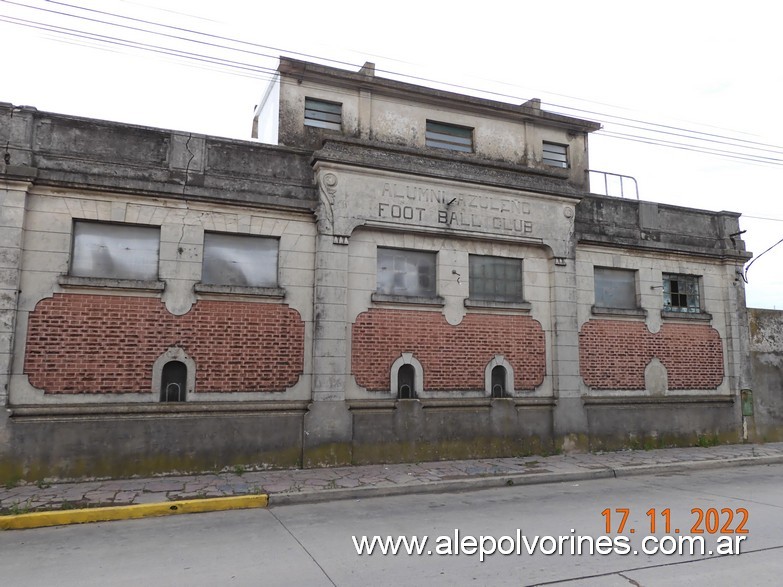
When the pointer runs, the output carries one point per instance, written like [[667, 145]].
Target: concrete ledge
[[131, 512], [154, 285], [196, 407], [631, 400]]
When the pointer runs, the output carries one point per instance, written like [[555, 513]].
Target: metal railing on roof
[[613, 184]]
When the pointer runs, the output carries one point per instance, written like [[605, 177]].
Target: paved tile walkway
[[299, 485]]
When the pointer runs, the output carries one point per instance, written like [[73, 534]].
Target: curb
[[477, 483], [192, 506], [131, 512], [676, 467], [469, 484]]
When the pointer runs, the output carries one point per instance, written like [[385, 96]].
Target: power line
[[136, 45], [694, 148], [745, 150], [756, 258], [763, 218], [267, 72]]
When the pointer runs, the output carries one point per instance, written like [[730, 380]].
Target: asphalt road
[[311, 544]]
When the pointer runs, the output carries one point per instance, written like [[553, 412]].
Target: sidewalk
[[310, 485]]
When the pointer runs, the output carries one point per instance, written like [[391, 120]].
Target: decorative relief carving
[[328, 188]]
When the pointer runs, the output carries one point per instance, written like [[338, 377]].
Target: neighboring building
[[410, 274], [762, 403]]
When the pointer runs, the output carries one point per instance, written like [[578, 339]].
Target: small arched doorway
[[498, 381], [173, 382], [406, 381]]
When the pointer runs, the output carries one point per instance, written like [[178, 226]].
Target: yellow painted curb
[[131, 512]]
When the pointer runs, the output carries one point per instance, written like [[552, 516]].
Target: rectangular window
[[681, 293], [323, 114], [449, 136], [115, 251], [239, 260], [495, 278], [555, 154], [615, 288], [406, 273]]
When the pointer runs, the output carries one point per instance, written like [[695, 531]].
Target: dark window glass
[[555, 155], [323, 114], [495, 278], [452, 137]]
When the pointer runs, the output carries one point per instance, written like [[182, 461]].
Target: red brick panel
[[614, 353], [453, 357], [108, 344]]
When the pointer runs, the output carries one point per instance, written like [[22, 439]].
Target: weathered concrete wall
[[96, 154], [321, 390], [413, 430], [650, 226], [39, 443], [395, 113], [766, 354], [645, 423]]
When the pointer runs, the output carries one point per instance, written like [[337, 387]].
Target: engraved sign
[[353, 197], [454, 208]]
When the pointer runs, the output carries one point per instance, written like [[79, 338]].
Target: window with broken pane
[[681, 293]]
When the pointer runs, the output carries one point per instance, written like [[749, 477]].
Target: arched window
[[406, 377], [173, 382], [499, 381], [173, 376], [406, 382], [499, 378]]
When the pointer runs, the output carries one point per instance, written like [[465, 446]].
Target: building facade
[[407, 274]]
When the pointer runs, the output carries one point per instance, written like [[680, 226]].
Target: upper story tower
[[307, 103]]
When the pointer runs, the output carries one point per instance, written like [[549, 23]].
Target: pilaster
[[569, 424], [13, 196]]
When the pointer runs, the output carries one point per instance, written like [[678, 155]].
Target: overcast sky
[[695, 67]]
